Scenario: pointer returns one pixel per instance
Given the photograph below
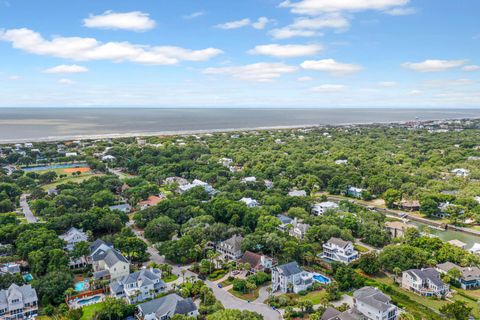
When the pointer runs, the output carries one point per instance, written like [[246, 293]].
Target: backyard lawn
[[316, 297], [88, 311]]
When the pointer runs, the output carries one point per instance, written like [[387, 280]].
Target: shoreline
[[169, 133]]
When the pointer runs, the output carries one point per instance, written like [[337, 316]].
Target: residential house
[[226, 162], [297, 193], [18, 302], [355, 192], [268, 184], [107, 263], [397, 228], [178, 180], [257, 262], [150, 202], [124, 207], [457, 243], [424, 282], [320, 208], [198, 183], [470, 276], [251, 203], [409, 205], [108, 158], [341, 161], [372, 304], [477, 198], [285, 222], [72, 237], [290, 278], [231, 248], [460, 172], [337, 249], [249, 180], [299, 229], [9, 268], [166, 307], [138, 286]]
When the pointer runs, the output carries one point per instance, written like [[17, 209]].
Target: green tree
[[457, 310]]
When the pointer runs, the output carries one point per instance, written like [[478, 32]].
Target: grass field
[[316, 297], [245, 296], [88, 311], [170, 278], [70, 178]]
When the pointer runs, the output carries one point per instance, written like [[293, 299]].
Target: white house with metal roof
[[72, 237], [290, 278], [108, 263], [138, 286], [337, 249], [373, 304], [424, 282]]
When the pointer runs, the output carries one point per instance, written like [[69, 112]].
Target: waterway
[[447, 235]]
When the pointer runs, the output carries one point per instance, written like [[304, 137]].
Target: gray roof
[[72, 232], [170, 304], [290, 268], [121, 207], [144, 276], [468, 273], [103, 251], [428, 273], [339, 242], [25, 293], [235, 242], [330, 313], [284, 219], [373, 297], [101, 274]]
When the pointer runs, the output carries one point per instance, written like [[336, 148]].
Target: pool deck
[[73, 304]]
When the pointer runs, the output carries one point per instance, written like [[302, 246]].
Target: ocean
[[49, 124]]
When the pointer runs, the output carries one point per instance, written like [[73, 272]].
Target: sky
[[248, 53]]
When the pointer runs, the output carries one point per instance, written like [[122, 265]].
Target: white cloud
[[66, 81], [63, 68], [307, 27], [234, 24], [14, 77], [194, 15], [87, 49], [329, 88], [314, 7], [286, 51], [401, 11], [387, 84], [471, 68], [331, 66], [433, 65], [259, 72], [304, 79], [286, 33], [134, 21], [259, 24]]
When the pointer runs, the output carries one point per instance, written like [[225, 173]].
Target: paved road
[[26, 209], [231, 302]]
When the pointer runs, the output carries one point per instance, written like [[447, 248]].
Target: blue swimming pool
[[81, 285], [321, 278], [27, 277], [93, 299]]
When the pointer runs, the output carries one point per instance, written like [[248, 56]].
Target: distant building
[[124, 207], [251, 203], [9, 268], [138, 286], [285, 221], [299, 229], [231, 248], [18, 302], [470, 276], [341, 161], [257, 261], [226, 162], [297, 193], [166, 307], [107, 263], [475, 249], [409, 205], [290, 278], [396, 228], [249, 180], [460, 172], [178, 180], [108, 157], [337, 249], [355, 192], [322, 207], [72, 237], [424, 282], [268, 184], [150, 202], [198, 183]]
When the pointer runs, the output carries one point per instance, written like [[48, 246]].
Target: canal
[[447, 235]]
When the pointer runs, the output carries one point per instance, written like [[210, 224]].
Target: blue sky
[[273, 53]]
